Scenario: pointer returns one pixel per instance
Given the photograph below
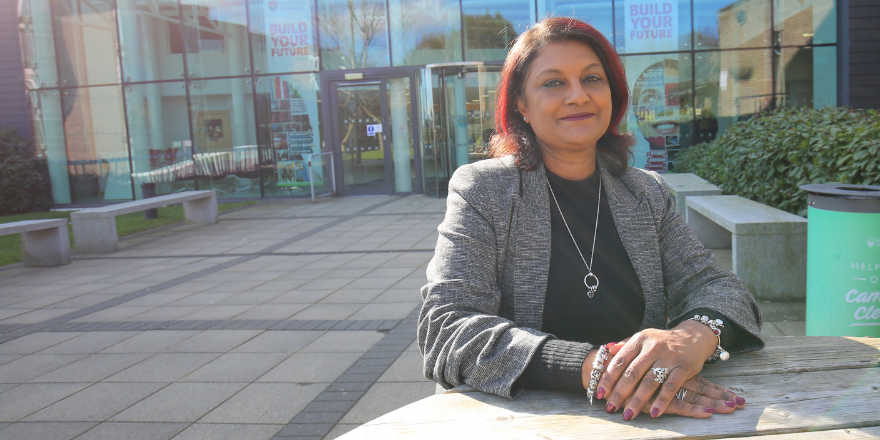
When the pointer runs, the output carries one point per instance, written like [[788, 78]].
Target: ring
[[660, 374], [681, 393]]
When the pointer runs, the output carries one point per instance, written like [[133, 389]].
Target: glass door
[[362, 140], [374, 134]]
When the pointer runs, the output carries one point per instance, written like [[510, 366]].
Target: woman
[[556, 246]]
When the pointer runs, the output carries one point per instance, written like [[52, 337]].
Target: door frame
[[330, 80]]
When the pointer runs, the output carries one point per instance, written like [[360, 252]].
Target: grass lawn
[[10, 245]]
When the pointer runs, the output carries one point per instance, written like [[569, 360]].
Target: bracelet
[[596, 372], [716, 325]]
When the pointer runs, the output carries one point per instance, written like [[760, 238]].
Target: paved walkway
[[286, 320]]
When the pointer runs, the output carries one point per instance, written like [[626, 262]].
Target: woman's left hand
[[629, 381]]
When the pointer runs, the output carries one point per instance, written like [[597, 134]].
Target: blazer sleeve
[[694, 280], [461, 336]]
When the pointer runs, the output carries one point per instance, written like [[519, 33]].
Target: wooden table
[[797, 388]]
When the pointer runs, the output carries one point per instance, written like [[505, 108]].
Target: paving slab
[[133, 431], [237, 367], [96, 403], [310, 367], [32, 366], [35, 342], [179, 402], [344, 342], [266, 403], [23, 400], [163, 367], [44, 430], [278, 342], [214, 431], [93, 368]]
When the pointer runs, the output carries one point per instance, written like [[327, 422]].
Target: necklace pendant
[[591, 289]]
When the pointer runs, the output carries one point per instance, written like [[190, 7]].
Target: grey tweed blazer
[[484, 301]]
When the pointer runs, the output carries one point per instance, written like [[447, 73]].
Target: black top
[[616, 310]]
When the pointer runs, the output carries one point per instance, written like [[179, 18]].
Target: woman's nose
[[577, 94]]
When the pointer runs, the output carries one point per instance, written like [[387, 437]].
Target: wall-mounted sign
[[287, 25], [372, 129], [650, 25]]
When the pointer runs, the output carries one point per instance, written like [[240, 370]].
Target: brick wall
[[14, 109], [864, 53]]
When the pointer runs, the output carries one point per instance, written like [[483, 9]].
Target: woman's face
[[567, 98]]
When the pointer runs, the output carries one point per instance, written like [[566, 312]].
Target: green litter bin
[[843, 260]]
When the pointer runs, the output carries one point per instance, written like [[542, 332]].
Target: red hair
[[513, 135]]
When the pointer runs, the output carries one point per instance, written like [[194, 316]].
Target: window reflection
[[491, 25], [37, 44], [96, 149], [85, 39], [662, 108], [224, 136], [805, 22], [214, 38], [730, 86], [425, 31], [150, 40], [802, 80], [49, 140], [353, 34], [283, 36], [289, 131], [158, 129], [645, 26], [731, 24], [597, 13]]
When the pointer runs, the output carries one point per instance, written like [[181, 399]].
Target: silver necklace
[[591, 289]]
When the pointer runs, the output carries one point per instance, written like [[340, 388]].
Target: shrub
[[21, 187], [767, 158]]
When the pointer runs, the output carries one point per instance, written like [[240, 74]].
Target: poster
[[657, 113], [288, 27], [650, 25], [293, 133]]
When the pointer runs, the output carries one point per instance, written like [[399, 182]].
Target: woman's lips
[[578, 116]]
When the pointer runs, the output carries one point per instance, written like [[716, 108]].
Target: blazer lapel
[[531, 233], [638, 233]]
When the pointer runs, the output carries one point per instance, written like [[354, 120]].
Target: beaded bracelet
[[716, 325], [596, 372]]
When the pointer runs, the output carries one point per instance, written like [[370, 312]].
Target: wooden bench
[[685, 185], [769, 246], [43, 242], [94, 229]]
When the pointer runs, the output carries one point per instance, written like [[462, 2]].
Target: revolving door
[[457, 118]]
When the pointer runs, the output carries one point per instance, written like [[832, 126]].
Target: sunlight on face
[[567, 98]]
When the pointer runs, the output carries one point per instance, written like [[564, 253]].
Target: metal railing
[[332, 176]]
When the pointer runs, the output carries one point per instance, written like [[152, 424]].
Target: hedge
[[22, 189], [767, 158]]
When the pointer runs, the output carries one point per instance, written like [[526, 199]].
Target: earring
[[526, 119]]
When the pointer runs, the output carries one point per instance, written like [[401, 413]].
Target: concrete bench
[[685, 185], [43, 242], [94, 229], [769, 246]]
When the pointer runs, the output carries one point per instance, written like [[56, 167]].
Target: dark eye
[[552, 83], [592, 78]]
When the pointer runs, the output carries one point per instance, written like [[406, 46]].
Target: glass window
[[49, 140], [148, 31], [662, 108], [283, 36], [731, 24], [803, 79], [644, 26], [97, 156], [354, 34], [425, 32], [85, 38], [224, 136], [37, 44], [730, 86], [597, 13], [490, 26], [214, 38], [158, 130], [288, 109], [805, 22]]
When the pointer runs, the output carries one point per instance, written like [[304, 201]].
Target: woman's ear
[[521, 107]]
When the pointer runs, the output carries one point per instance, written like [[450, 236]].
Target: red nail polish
[[600, 393], [655, 412], [611, 344], [610, 408], [740, 400], [729, 404], [628, 414], [708, 409]]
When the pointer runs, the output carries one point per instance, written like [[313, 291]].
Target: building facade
[[262, 98]]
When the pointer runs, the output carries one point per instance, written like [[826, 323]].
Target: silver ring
[[660, 374], [681, 393]]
